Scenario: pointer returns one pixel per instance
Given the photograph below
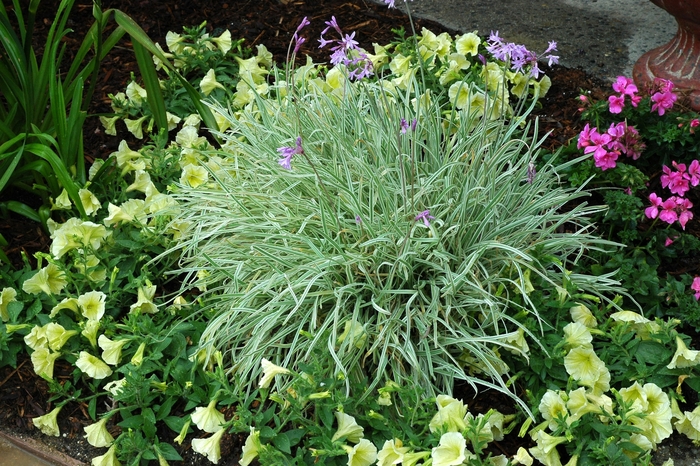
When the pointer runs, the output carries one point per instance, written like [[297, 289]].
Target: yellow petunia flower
[[47, 423], [92, 304], [211, 446], [683, 356], [208, 419], [362, 454], [93, 366], [270, 370], [49, 280], [347, 428], [6, 297], [97, 434]]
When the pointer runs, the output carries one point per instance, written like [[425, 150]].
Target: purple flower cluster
[[404, 125], [518, 55], [425, 216], [606, 147], [296, 39], [288, 152], [347, 52]]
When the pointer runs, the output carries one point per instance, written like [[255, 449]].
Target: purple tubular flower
[[425, 216], [287, 153]]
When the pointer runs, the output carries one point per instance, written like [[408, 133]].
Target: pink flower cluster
[[679, 181], [696, 287], [662, 95], [606, 147], [671, 210]]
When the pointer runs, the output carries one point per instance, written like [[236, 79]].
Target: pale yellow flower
[[43, 361], [109, 124], [522, 457], [6, 297], [552, 407], [90, 328], [74, 234], [459, 94], [137, 358], [683, 356], [583, 315], [111, 349], [270, 370], [348, 428], [47, 423], [128, 160], [362, 454], [183, 433], [62, 202], [142, 183], [93, 366], [451, 451], [250, 448], [108, 459], [136, 94], [545, 451], [92, 304], [208, 419], [209, 83], [115, 387], [49, 280], [579, 404], [211, 446], [468, 44], [689, 424], [57, 335], [173, 41], [451, 415], [97, 434], [36, 338], [223, 42], [391, 453], [577, 335], [135, 127], [133, 209], [194, 175], [584, 365], [66, 303], [144, 303], [642, 442], [90, 202]]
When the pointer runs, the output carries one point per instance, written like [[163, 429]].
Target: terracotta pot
[[679, 60]]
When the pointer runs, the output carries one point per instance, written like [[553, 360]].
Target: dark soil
[[23, 395]]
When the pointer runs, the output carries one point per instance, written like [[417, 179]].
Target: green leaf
[[282, 442], [133, 422]]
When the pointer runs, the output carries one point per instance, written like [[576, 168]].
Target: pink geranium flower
[[616, 103], [624, 85], [653, 210], [663, 101], [696, 287]]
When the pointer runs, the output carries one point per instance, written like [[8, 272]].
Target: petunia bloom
[[208, 419], [362, 454], [348, 428], [251, 447], [48, 423], [97, 434], [93, 366], [6, 297], [210, 447]]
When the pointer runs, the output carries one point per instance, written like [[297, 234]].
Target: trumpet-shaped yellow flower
[[108, 459], [552, 407], [347, 428], [223, 42], [49, 280], [577, 334], [468, 44], [452, 450], [135, 127], [684, 357], [111, 349], [93, 366], [144, 303], [522, 457], [270, 370], [362, 454], [451, 415], [57, 336], [90, 202], [36, 338], [6, 297], [62, 202], [92, 304], [183, 432], [689, 424], [48, 423], [137, 358], [43, 361], [136, 94], [209, 83], [545, 451], [208, 419], [391, 453], [584, 366], [133, 209], [74, 234], [583, 315], [90, 328], [194, 175], [97, 434], [210, 447], [251, 448]]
